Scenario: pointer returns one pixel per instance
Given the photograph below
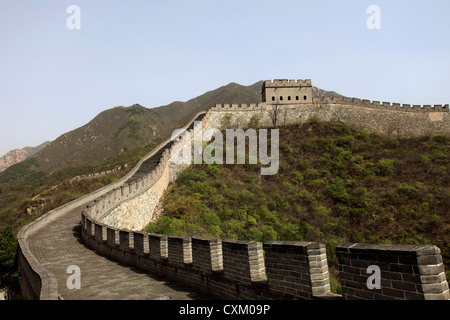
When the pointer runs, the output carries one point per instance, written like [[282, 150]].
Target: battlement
[[235, 269], [223, 268], [381, 105], [239, 106], [281, 83]]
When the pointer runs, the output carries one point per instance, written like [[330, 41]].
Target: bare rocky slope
[[18, 155]]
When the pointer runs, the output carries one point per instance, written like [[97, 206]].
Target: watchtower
[[282, 91]]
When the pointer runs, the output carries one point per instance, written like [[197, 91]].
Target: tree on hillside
[[8, 248], [274, 113]]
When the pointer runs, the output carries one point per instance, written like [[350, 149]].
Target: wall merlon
[[124, 191], [132, 185], [100, 232], [89, 227], [125, 240], [140, 241], [237, 264], [207, 254], [158, 247], [112, 236], [404, 268], [427, 250], [179, 249]]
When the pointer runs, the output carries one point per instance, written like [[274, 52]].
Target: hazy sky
[[54, 79]]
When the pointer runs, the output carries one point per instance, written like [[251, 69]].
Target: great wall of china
[[114, 215]]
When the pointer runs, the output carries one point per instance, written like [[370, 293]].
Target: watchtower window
[[289, 98], [304, 97], [281, 98], [273, 98], [296, 97]]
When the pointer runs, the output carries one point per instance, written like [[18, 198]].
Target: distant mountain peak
[[18, 155]]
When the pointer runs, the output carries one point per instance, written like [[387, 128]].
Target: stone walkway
[[101, 278]]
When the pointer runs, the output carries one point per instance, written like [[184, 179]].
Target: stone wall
[[133, 204], [395, 120], [288, 270], [229, 269], [407, 272], [35, 280], [233, 269], [136, 213]]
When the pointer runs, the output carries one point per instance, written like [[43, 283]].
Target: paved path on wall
[[59, 245]]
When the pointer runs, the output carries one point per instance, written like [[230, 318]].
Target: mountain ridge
[[17, 155], [120, 129]]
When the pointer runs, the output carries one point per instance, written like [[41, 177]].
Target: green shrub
[[312, 173], [441, 153], [214, 171], [339, 127], [8, 249], [345, 141], [313, 118], [255, 121], [440, 170], [391, 142], [263, 233], [284, 146], [225, 122], [303, 228], [441, 138], [234, 229], [363, 134], [357, 159], [316, 183], [304, 163], [337, 191], [321, 211], [297, 177], [425, 159], [250, 178], [182, 206], [361, 197], [409, 191], [385, 167]]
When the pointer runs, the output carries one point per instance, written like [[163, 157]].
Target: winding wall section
[[239, 269], [37, 282]]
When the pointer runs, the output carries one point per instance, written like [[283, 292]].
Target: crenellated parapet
[[223, 268], [236, 269], [381, 105], [239, 106], [279, 83]]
